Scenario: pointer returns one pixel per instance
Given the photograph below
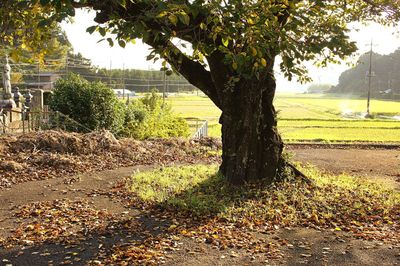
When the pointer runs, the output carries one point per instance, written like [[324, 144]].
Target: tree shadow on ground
[[210, 211], [215, 197], [155, 224], [88, 247]]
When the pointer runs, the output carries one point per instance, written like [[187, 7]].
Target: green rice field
[[310, 118]]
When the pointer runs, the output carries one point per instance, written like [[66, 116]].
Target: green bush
[[93, 105], [148, 117]]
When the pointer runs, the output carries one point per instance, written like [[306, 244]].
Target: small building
[[45, 81], [120, 93]]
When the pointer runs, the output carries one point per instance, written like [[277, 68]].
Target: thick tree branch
[[193, 71]]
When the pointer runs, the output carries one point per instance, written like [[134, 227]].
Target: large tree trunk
[[252, 146]]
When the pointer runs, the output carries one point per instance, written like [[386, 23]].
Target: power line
[[110, 77]]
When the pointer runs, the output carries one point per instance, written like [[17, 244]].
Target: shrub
[[148, 117], [93, 105]]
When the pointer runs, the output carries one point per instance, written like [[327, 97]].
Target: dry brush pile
[[49, 154]]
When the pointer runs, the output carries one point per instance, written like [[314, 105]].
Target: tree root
[[299, 173]]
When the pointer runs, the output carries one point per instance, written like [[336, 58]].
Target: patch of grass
[[332, 201], [162, 184]]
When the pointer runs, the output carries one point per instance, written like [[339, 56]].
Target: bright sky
[[386, 40]]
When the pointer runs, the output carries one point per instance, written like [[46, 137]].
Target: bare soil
[[300, 246], [382, 164]]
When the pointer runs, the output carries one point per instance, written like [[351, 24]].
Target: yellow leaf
[[173, 226], [225, 42], [234, 65], [263, 62], [254, 51], [173, 19]]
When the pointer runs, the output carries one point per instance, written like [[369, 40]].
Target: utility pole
[[123, 81], [148, 79], [390, 78], [167, 81], [164, 88], [38, 79], [109, 81], [369, 81], [66, 65]]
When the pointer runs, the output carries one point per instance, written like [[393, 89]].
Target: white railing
[[202, 131]]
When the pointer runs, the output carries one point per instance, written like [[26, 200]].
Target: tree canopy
[[246, 35], [27, 33]]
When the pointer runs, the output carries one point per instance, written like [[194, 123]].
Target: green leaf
[[110, 42], [122, 43], [173, 19], [151, 56], [102, 32], [91, 29], [122, 3], [71, 11], [44, 2], [44, 23], [184, 18]]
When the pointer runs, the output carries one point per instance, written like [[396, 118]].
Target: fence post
[[23, 122], [58, 120], [4, 122], [28, 121]]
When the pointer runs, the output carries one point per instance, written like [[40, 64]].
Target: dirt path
[[372, 163], [299, 245]]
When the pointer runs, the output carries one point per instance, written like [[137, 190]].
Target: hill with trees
[[385, 81]]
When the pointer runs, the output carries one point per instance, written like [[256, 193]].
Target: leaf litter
[[232, 222], [52, 154]]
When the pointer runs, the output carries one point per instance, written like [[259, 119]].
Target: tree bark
[[252, 146]]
